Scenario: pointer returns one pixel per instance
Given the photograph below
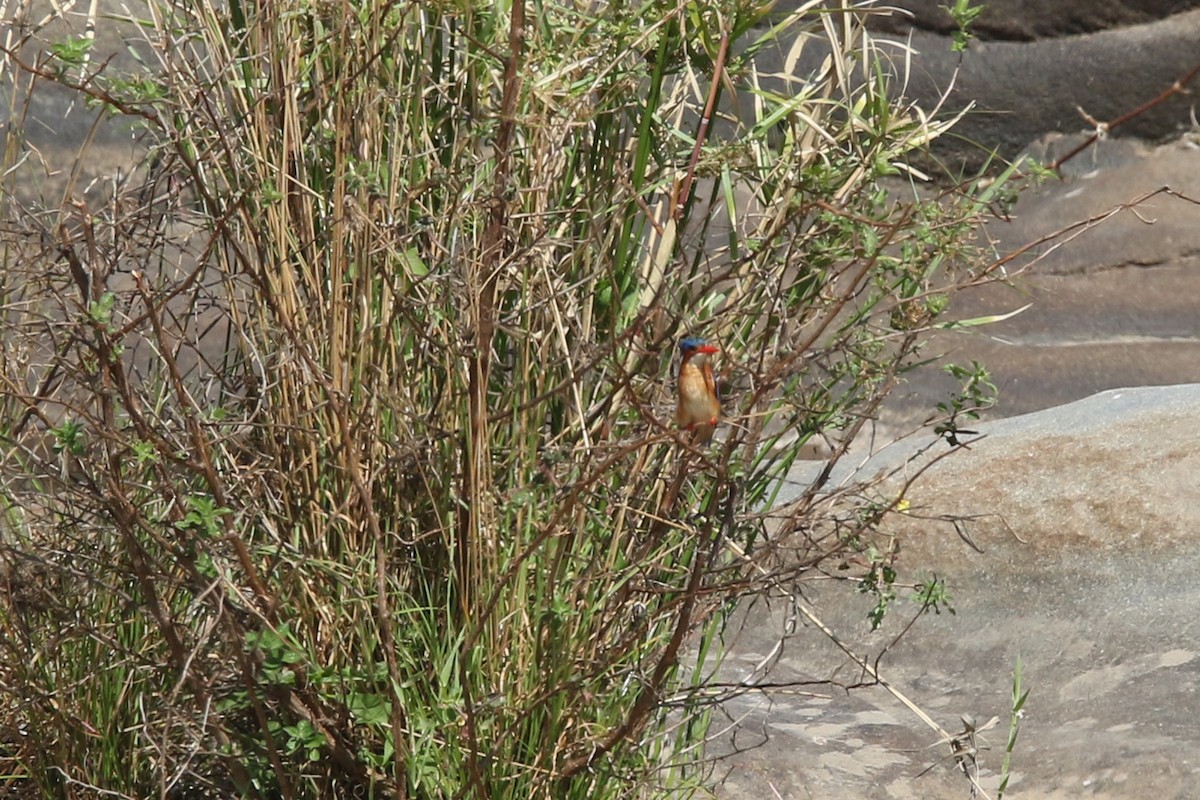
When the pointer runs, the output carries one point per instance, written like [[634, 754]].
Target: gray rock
[[1086, 515], [1024, 90], [1111, 303], [1017, 92], [1021, 20]]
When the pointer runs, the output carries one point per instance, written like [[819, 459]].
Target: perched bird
[[699, 407]]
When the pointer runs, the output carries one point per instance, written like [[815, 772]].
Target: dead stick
[[1102, 129]]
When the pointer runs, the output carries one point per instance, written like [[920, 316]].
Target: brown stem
[[651, 690], [476, 456], [1102, 129], [684, 189], [203, 453]]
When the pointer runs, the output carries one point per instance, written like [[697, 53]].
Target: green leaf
[[369, 708], [72, 52], [100, 310], [411, 260], [977, 321]]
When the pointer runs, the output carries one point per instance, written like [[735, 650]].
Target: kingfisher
[[699, 407]]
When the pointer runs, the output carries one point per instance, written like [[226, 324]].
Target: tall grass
[[338, 453]]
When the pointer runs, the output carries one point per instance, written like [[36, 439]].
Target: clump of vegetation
[[338, 454]]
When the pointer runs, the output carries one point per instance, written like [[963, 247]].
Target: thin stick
[[684, 189], [1102, 128]]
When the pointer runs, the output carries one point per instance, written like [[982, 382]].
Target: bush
[[338, 444]]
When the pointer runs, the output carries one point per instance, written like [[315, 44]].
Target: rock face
[[1112, 302], [1022, 90], [1024, 20], [1089, 513], [1019, 90], [1086, 511]]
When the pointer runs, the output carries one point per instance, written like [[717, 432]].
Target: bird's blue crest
[[690, 343]]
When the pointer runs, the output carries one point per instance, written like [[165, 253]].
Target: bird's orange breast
[[698, 403]]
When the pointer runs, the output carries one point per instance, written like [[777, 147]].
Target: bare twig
[[1180, 86]]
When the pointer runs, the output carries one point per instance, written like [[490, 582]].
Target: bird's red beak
[[708, 348]]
